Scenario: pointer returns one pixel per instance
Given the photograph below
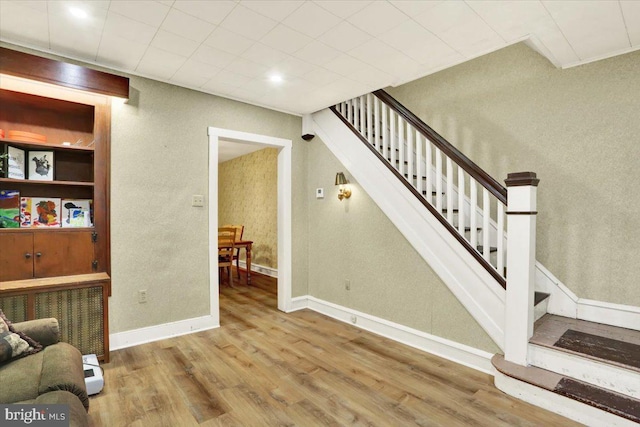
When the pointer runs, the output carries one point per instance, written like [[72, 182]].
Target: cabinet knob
[[38, 254], [27, 255]]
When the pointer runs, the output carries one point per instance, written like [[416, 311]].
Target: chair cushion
[[14, 344]]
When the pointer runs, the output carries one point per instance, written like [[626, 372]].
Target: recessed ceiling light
[[276, 78], [78, 13]]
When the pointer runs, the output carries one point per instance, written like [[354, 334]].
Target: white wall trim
[[450, 350], [284, 147], [580, 412], [267, 271], [565, 303], [299, 303], [148, 334]]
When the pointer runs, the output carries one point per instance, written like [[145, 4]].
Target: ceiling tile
[[226, 40], [82, 45], [285, 39], [385, 58], [412, 7], [192, 69], [355, 69], [175, 44], [344, 37], [460, 27], [631, 13], [148, 12], [217, 87], [23, 24], [248, 23], [211, 11], [246, 68], [320, 76], [592, 28], [230, 78], [292, 66], [39, 5], [247, 95], [513, 19], [187, 26], [416, 42], [96, 12], [160, 64], [120, 53], [317, 53], [311, 20], [166, 2], [343, 8], [127, 28], [264, 55], [212, 56], [377, 18], [277, 10]]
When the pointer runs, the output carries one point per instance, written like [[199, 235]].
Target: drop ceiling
[[324, 51]]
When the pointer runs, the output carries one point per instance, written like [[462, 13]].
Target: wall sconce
[[345, 191]]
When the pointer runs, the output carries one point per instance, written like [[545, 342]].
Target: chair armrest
[[44, 331]]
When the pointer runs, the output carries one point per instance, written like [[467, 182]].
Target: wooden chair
[[226, 249], [236, 256]]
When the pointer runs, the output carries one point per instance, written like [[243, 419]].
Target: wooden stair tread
[[491, 248], [605, 343], [615, 403]]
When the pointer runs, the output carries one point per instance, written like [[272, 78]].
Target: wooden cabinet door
[[16, 256], [63, 253]]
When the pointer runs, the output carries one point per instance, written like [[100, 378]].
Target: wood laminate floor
[[263, 367]]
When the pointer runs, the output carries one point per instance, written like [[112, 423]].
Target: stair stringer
[[473, 286]]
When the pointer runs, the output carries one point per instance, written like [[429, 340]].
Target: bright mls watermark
[[34, 415]]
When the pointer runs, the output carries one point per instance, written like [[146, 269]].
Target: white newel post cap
[[522, 188]]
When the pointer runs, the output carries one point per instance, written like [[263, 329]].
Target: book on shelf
[[70, 207], [25, 212], [9, 209], [45, 212], [12, 162]]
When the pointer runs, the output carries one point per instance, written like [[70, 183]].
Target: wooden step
[[609, 401], [538, 297], [491, 249], [604, 343]]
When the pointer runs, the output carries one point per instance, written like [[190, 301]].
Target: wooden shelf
[[47, 183], [45, 145], [46, 229], [52, 282]]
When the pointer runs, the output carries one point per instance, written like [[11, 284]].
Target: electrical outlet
[[347, 284], [197, 201], [142, 296]]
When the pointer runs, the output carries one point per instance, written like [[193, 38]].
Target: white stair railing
[[467, 200]]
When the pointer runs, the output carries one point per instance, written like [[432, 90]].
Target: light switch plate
[[197, 201], [319, 193]]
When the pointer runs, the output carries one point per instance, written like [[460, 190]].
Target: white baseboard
[[267, 271], [298, 303], [624, 316], [580, 412], [450, 350], [159, 332]]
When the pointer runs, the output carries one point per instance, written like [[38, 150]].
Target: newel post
[[521, 263]]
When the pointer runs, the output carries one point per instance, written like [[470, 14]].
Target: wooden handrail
[[487, 266], [482, 177]]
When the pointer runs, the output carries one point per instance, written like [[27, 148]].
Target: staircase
[[457, 217]]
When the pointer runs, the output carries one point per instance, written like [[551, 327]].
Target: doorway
[[284, 211]]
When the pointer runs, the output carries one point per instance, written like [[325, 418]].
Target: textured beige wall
[[247, 194], [354, 240], [578, 130], [159, 159]]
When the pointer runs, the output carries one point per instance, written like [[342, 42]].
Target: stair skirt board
[[597, 373], [473, 286], [554, 402]]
